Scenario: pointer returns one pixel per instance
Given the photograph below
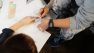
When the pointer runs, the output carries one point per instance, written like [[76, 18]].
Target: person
[[8, 32], [9, 42], [19, 43], [70, 25]]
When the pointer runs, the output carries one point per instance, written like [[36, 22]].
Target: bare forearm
[[16, 26], [63, 23], [27, 20]]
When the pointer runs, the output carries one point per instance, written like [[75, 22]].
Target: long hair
[[19, 43]]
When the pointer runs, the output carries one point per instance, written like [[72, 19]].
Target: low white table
[[23, 9]]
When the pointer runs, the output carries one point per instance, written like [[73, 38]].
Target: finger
[[41, 29], [41, 11], [33, 19], [30, 19], [44, 14]]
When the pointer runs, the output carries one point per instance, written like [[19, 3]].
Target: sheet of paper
[[29, 9], [38, 36]]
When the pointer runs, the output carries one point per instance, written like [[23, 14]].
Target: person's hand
[[44, 24], [27, 20], [43, 11]]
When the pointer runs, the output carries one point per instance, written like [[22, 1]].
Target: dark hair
[[19, 43]]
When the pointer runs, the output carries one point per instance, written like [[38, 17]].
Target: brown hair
[[19, 43]]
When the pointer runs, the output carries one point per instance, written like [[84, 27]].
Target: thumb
[[41, 12]]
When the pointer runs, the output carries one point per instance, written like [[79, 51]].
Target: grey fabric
[[79, 2], [1, 3], [84, 17], [52, 14], [82, 20], [58, 5]]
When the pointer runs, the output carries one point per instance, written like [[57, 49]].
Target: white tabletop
[[23, 9]]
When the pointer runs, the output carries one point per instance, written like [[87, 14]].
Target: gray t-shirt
[[84, 16], [82, 20]]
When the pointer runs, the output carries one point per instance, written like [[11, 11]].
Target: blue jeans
[[55, 40]]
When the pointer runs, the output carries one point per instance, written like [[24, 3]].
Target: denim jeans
[[55, 40]]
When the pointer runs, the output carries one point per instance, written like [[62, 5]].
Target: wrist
[[16, 26], [47, 6], [51, 23]]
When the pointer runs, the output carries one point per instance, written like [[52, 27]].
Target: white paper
[[22, 10], [38, 36]]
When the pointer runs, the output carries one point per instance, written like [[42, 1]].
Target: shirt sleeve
[[82, 20], [6, 33]]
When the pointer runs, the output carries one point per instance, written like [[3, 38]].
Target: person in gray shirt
[[71, 25]]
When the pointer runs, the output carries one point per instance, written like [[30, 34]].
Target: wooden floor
[[81, 43]]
